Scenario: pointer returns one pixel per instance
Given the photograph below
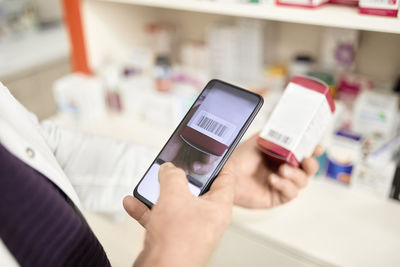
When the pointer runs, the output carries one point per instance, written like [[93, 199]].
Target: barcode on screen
[[211, 125], [278, 137]]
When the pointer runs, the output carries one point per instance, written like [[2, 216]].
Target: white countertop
[[330, 224], [31, 50]]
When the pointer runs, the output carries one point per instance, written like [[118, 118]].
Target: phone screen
[[204, 139]]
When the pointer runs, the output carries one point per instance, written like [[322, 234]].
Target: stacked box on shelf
[[302, 3], [387, 8]]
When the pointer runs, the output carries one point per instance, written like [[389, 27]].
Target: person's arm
[[101, 169], [183, 230]]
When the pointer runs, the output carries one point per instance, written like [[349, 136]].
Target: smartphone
[[204, 139]]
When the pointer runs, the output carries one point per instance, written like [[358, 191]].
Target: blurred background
[[130, 69]]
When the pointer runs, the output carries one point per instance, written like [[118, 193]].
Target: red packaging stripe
[[277, 153], [378, 11], [310, 5], [203, 142], [344, 2], [316, 86]]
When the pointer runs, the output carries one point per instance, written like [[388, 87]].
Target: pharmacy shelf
[[329, 15]]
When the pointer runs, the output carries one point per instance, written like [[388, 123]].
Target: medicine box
[[387, 8], [302, 3], [298, 122]]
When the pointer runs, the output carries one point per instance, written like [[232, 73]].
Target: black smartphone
[[204, 139]]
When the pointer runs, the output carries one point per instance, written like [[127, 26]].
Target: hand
[[182, 230], [260, 183]]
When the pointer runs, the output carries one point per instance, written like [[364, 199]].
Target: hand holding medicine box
[[298, 122]]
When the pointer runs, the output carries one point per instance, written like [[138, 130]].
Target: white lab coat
[[94, 172]]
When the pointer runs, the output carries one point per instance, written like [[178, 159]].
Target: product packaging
[[163, 74], [343, 154], [275, 78], [344, 2], [301, 65], [337, 122], [339, 49], [221, 40], [350, 86], [387, 8], [234, 48], [298, 122], [327, 78], [81, 96], [375, 113], [302, 3], [111, 76], [375, 180]]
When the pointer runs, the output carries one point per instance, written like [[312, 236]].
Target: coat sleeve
[[101, 169]]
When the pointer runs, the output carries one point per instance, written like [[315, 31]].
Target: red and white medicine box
[[344, 2], [298, 122], [302, 3], [388, 8]]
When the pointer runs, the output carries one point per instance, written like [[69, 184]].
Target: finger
[[310, 166], [296, 175], [222, 189], [318, 151], [287, 188], [136, 209], [172, 180]]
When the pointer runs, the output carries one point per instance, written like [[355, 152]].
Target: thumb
[[136, 209], [222, 189], [172, 180]]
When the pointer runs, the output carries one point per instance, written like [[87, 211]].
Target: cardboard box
[[387, 8], [298, 122], [302, 3]]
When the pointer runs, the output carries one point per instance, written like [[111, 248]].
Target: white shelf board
[[32, 50], [330, 224], [329, 15]]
